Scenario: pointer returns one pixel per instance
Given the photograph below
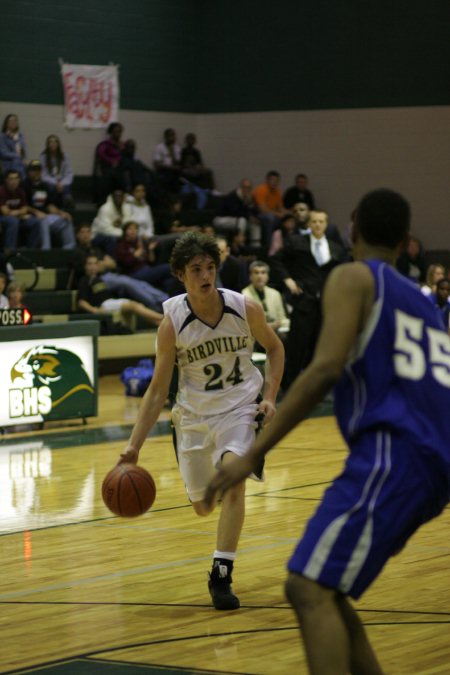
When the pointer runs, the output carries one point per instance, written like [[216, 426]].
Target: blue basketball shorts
[[388, 488]]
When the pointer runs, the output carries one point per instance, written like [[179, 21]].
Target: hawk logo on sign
[[50, 382]]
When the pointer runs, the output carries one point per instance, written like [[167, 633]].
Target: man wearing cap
[[42, 204]]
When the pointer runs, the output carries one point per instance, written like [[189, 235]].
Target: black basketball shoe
[[219, 586]]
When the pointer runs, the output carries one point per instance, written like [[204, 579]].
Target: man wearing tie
[[303, 265]]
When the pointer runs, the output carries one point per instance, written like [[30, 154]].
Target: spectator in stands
[[126, 286], [108, 156], [270, 209], [192, 167], [299, 193], [136, 257], [434, 274], [134, 172], [230, 273], [269, 298], [411, 261], [57, 171], [142, 215], [131, 169], [301, 212], [15, 216], [237, 210], [107, 225], [4, 303], [208, 229], [12, 147], [16, 295], [440, 299], [141, 212], [42, 203], [167, 161], [240, 249], [288, 226], [174, 221], [94, 296]]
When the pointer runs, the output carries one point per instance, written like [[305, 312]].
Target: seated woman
[[57, 171], [141, 212], [433, 275], [136, 257]]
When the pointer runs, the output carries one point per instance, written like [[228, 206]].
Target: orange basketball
[[128, 490]]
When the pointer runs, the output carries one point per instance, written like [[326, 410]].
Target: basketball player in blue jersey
[[209, 334], [388, 354]]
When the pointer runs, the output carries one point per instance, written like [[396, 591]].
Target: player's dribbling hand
[[129, 457], [267, 409]]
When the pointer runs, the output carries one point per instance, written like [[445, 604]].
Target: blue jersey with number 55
[[398, 374]]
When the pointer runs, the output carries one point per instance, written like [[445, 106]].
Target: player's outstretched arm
[[347, 301], [156, 394]]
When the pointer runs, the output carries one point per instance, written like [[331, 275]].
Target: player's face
[[199, 275]]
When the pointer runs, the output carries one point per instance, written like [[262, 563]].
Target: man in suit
[[302, 214], [303, 265]]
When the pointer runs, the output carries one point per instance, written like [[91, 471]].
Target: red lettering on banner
[[88, 98]]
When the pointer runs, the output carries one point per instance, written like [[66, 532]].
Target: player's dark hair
[[191, 245], [383, 218]]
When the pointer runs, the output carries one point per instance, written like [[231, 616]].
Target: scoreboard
[[15, 317]]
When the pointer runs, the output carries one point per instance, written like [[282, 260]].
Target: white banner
[[91, 95]]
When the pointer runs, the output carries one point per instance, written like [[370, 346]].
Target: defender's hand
[[228, 476]]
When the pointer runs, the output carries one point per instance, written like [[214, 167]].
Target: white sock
[[225, 555]]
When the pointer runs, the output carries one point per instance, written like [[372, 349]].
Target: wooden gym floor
[[84, 592]]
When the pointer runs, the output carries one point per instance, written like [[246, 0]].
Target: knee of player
[[304, 594], [201, 509], [234, 494]]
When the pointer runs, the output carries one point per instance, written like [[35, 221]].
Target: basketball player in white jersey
[[209, 333]]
